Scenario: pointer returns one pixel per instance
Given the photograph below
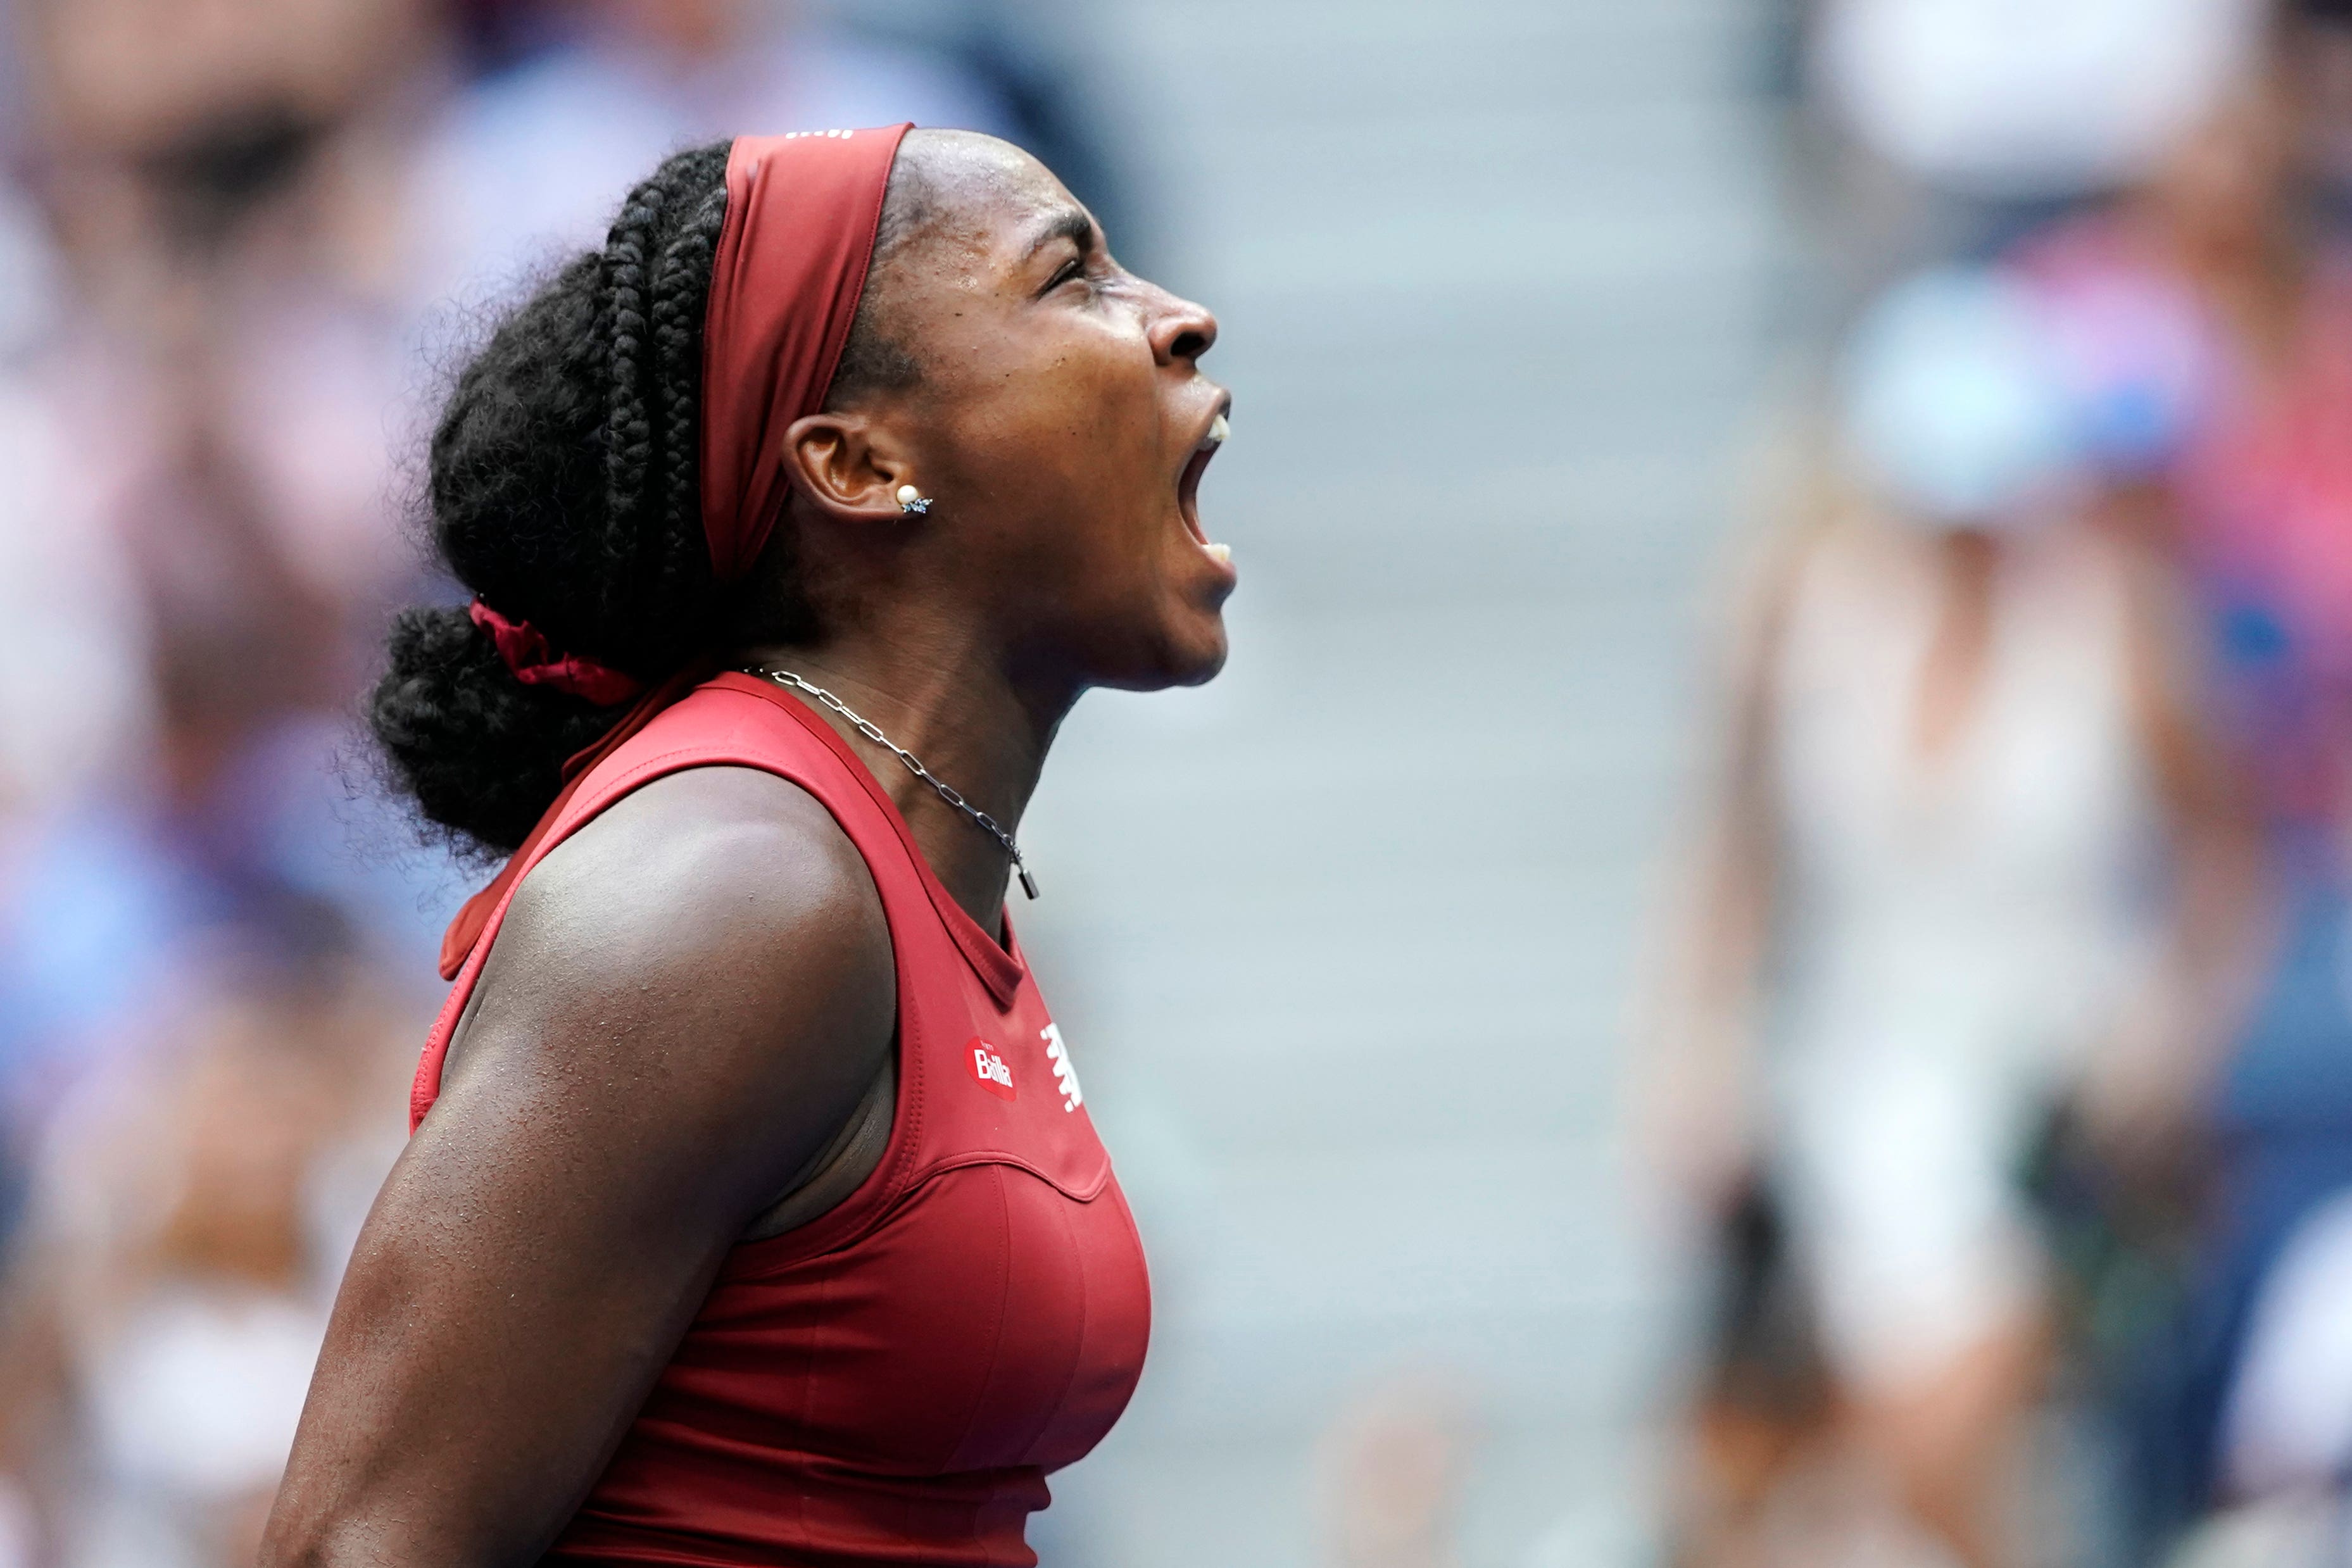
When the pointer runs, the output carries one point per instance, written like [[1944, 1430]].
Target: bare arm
[[2217, 930], [1701, 1016], [686, 1002]]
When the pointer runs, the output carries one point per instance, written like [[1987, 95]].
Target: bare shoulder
[[705, 963], [698, 868]]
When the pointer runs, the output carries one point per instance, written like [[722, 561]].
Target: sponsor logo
[[993, 1073], [1066, 1077]]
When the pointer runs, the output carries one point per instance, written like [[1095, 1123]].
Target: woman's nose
[[1182, 330]]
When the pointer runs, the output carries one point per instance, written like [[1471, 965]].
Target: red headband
[[801, 210], [800, 214]]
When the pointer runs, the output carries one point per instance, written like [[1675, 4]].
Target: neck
[[955, 707]]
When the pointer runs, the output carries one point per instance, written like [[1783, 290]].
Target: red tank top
[[891, 1382]]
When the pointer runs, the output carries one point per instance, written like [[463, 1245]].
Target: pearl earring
[[913, 500]]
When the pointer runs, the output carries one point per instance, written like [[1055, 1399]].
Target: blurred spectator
[[1990, 98], [1953, 124], [2229, 252], [1972, 860], [201, 348], [206, 414], [193, 1211]]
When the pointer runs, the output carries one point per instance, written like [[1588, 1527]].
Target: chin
[[1196, 638], [1183, 656], [1201, 671]]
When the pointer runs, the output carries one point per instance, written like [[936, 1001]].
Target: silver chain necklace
[[873, 732]]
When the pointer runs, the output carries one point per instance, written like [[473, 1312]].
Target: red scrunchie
[[526, 651]]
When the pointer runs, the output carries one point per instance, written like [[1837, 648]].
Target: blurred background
[[1750, 964]]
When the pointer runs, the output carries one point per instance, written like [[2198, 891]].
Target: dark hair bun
[[482, 753]]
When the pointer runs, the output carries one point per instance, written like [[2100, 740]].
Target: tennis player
[[753, 1213]]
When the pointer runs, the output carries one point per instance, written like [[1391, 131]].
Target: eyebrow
[[1072, 223]]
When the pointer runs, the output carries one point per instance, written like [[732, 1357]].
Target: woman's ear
[[845, 466]]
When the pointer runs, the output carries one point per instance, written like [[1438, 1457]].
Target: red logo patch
[[991, 1069]]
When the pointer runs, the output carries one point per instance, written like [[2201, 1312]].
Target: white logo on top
[[1066, 1077]]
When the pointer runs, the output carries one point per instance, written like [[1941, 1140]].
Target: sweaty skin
[[693, 996]]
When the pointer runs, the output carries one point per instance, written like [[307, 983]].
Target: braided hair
[[563, 490]]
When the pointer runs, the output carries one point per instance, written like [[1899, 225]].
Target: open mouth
[[1188, 487]]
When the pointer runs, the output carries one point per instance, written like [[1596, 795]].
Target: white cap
[[1954, 407]]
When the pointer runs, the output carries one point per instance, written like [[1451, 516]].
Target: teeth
[[1221, 554], [1218, 431]]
